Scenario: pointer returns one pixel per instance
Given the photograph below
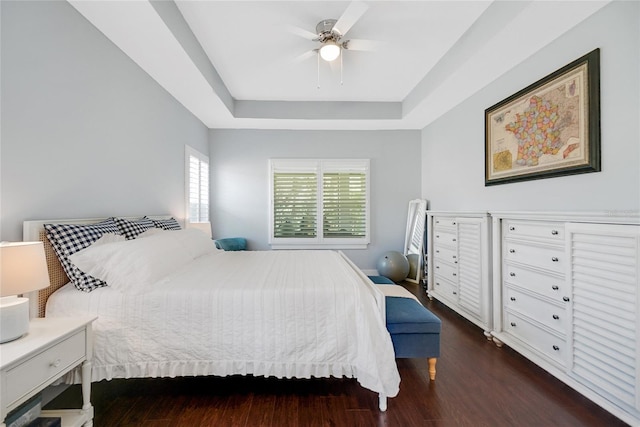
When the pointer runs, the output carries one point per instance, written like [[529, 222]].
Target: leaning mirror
[[414, 238]]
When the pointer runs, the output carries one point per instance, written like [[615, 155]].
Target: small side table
[[53, 347]]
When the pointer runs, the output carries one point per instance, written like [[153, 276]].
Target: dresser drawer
[[550, 345], [544, 312], [445, 270], [445, 238], [532, 229], [445, 254], [45, 366], [546, 285], [547, 258], [441, 221], [445, 288]]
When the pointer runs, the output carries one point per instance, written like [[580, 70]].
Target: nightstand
[[53, 347]]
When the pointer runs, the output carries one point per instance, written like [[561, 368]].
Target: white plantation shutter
[[322, 203], [198, 186], [295, 204], [344, 204]]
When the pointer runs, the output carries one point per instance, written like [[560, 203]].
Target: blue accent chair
[[414, 330], [231, 244]]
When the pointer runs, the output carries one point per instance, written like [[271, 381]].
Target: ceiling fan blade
[[302, 32], [354, 11], [362, 44], [308, 54]]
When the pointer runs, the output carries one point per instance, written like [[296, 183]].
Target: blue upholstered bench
[[414, 330]]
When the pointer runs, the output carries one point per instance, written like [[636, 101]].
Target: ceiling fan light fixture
[[329, 51]]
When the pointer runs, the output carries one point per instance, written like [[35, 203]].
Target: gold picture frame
[[548, 129]]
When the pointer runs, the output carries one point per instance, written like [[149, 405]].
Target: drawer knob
[[437, 266], [556, 348], [454, 223], [554, 259], [455, 256], [437, 251], [55, 363], [512, 274], [437, 283], [513, 251], [454, 239], [512, 228], [513, 324], [455, 274], [565, 299], [455, 293], [554, 232], [556, 317], [437, 236], [512, 298], [555, 287], [437, 222]]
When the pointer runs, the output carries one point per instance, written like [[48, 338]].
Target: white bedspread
[[274, 313]]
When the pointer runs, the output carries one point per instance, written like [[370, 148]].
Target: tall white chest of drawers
[[566, 295], [459, 264]]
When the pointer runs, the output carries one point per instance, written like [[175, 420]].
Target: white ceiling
[[236, 64], [255, 53]]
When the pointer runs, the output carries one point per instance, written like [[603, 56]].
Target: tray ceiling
[[235, 64]]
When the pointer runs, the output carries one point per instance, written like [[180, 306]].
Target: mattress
[[284, 314]]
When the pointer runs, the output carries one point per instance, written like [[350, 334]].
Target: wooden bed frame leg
[[382, 402], [432, 368]]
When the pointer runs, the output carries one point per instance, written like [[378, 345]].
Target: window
[[197, 183], [319, 203]]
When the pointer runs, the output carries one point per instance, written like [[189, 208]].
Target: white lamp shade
[[329, 51], [23, 268]]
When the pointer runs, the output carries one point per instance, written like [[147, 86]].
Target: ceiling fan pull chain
[[340, 70], [318, 57]]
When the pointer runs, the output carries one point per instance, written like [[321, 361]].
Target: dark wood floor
[[477, 384]]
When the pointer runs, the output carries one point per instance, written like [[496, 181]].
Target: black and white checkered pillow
[[68, 239], [166, 224], [131, 228]]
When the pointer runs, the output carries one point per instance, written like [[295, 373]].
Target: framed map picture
[[548, 129]]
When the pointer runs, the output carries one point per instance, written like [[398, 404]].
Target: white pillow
[[150, 232], [132, 263], [141, 262], [109, 238], [195, 241]]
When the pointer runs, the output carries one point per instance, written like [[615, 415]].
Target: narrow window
[[197, 180]]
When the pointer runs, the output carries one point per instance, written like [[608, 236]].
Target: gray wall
[[453, 146], [240, 184], [85, 132]]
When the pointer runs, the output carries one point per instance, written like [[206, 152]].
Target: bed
[[285, 314]]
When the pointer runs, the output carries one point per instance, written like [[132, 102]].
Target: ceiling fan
[[331, 34]]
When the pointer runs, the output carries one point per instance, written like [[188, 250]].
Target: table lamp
[[23, 269]]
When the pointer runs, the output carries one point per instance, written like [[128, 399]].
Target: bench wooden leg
[[432, 368]]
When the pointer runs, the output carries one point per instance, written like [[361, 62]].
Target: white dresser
[[566, 296], [458, 270]]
